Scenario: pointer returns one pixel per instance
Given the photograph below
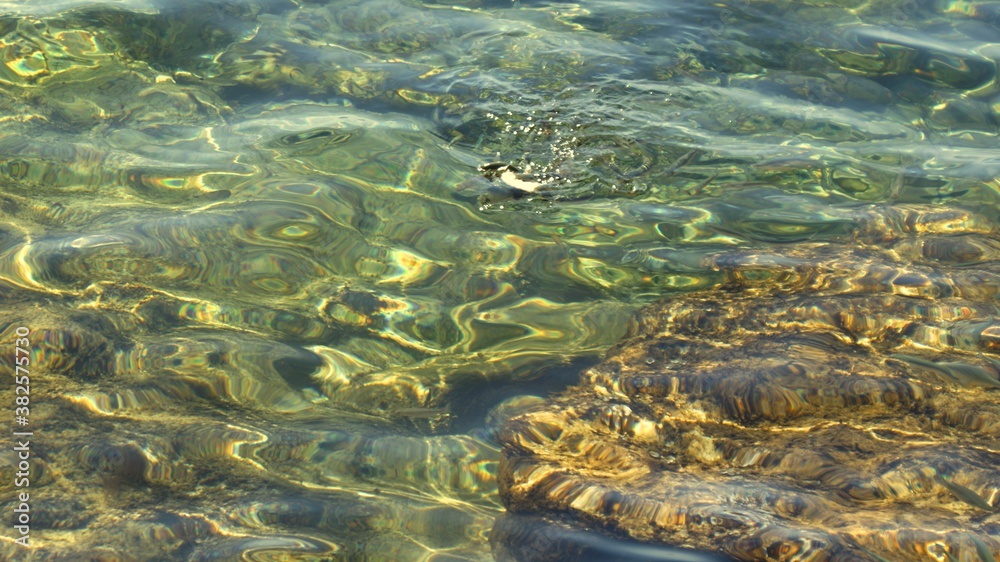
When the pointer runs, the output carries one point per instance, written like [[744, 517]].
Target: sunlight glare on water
[[309, 279]]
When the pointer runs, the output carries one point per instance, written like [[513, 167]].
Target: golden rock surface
[[833, 401]]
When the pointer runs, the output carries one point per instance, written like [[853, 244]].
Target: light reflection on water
[[274, 300]]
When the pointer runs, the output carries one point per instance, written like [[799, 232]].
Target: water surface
[[274, 298]]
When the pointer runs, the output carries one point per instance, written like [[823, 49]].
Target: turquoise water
[[280, 260]]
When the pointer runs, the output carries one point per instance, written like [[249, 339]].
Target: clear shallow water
[[273, 299]]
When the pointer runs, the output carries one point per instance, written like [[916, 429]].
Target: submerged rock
[[828, 402], [877, 51]]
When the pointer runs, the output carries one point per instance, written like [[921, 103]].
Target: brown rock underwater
[[828, 402]]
